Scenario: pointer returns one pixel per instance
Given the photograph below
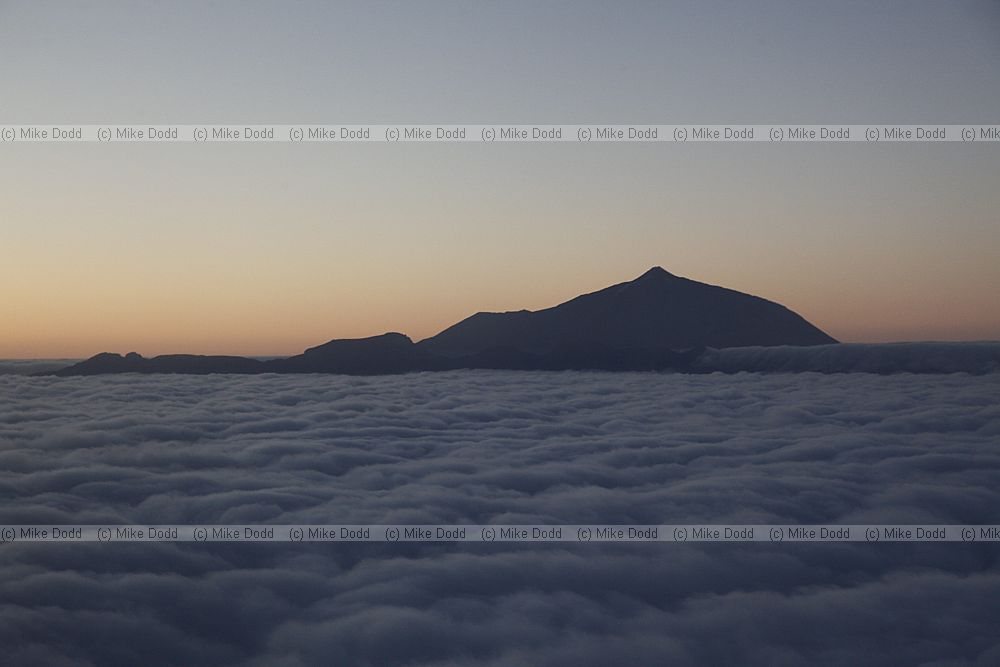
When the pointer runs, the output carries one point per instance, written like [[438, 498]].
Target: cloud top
[[504, 447]]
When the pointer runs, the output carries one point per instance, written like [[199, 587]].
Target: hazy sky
[[268, 249]]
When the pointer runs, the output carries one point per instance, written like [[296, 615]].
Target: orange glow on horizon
[[208, 323]]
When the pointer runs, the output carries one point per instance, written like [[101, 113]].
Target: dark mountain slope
[[655, 322], [656, 310]]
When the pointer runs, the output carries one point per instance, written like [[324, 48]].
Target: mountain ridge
[[655, 309], [657, 321]]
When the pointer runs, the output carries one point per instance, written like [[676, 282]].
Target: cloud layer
[[505, 447], [977, 358]]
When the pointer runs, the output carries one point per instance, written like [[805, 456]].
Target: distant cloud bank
[[881, 358], [33, 366]]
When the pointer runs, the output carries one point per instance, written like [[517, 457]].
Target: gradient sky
[[255, 249]]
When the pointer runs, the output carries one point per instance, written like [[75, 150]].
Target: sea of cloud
[[885, 358], [505, 447]]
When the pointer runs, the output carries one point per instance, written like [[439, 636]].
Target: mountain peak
[[657, 310], [653, 322], [656, 272]]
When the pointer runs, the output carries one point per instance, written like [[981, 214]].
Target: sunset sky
[[267, 249]]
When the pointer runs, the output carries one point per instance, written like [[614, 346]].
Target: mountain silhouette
[[191, 364], [657, 321], [388, 353], [657, 309]]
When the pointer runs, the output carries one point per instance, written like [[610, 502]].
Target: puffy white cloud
[[510, 447]]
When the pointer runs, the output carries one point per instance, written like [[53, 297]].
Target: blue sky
[[267, 249]]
